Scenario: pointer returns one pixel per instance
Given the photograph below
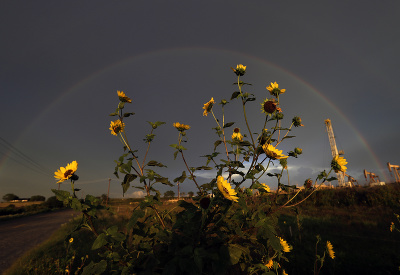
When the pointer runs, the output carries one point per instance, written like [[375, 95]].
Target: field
[[19, 204], [359, 232]]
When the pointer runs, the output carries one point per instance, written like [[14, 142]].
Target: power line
[[22, 158]]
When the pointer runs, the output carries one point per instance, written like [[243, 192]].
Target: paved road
[[22, 234]]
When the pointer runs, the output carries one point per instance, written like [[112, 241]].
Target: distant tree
[[169, 194], [53, 202], [183, 194], [191, 194], [104, 198], [10, 197], [37, 198]]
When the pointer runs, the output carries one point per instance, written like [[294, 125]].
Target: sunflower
[[67, 172], [208, 106], [338, 164], [116, 127], [329, 247], [284, 244], [226, 189], [270, 264], [274, 90], [265, 187], [237, 135], [269, 106], [123, 98], [240, 70], [181, 127], [272, 152]]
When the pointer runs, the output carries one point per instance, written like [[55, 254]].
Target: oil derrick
[[393, 169], [335, 152], [373, 178], [351, 181]]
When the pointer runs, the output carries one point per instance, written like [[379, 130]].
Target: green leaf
[[113, 232], [126, 167], [95, 268], [275, 243], [187, 205], [61, 194], [76, 204], [203, 168], [128, 114], [218, 142], [100, 241], [182, 178], [287, 137], [235, 252], [235, 95], [154, 125], [244, 143], [164, 181], [250, 99], [155, 163], [137, 214], [127, 180], [229, 124]]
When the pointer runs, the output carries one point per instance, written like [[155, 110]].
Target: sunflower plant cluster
[[230, 226]]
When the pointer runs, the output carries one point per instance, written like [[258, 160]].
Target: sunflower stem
[[285, 134], [244, 112]]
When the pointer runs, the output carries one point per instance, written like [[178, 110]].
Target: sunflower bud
[[240, 70], [298, 151], [205, 202], [297, 121], [283, 163], [308, 183], [278, 116]]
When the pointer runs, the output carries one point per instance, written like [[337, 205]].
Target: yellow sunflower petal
[[226, 189]]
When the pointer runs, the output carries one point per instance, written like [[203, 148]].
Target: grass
[[361, 238]]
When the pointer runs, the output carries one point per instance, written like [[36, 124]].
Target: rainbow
[[195, 50]]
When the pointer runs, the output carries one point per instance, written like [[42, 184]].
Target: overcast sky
[[62, 63]]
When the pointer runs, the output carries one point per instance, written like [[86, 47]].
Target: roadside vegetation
[[359, 230]]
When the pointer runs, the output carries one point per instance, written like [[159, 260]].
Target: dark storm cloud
[[62, 63]]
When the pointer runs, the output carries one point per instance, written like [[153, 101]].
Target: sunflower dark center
[[68, 173], [272, 155], [270, 107]]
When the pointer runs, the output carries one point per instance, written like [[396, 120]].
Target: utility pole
[[108, 192]]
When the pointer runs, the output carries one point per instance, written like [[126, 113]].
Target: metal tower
[[334, 150]]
